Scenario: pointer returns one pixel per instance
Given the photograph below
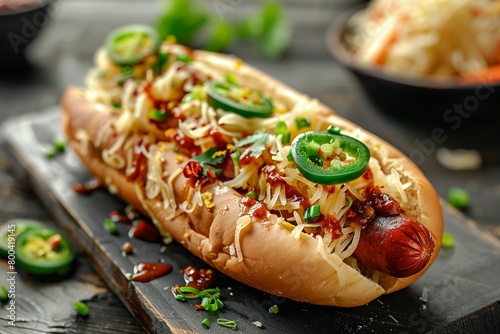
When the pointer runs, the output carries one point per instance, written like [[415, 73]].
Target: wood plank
[[462, 286]]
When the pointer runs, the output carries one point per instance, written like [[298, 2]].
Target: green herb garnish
[[258, 141], [209, 159]]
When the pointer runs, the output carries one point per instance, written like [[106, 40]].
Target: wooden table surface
[[62, 55]]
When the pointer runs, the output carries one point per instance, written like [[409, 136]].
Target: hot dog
[[227, 177]]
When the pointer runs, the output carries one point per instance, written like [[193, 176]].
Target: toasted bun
[[273, 261]]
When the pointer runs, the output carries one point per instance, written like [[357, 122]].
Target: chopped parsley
[[209, 159], [258, 141]]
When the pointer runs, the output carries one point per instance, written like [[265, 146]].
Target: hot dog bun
[[266, 257]]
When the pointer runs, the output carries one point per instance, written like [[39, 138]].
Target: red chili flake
[[193, 170]]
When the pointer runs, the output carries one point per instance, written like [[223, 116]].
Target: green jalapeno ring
[[301, 152], [37, 253], [129, 45], [218, 97]]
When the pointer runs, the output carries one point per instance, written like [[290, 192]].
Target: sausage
[[395, 245]]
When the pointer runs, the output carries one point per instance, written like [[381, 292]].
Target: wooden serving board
[[462, 287]]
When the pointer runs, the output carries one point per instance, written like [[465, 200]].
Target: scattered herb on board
[[81, 308], [274, 309], [227, 323], [4, 295], [458, 197], [448, 240], [110, 226], [206, 323], [58, 146]]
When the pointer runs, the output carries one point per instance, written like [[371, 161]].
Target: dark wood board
[[462, 286]]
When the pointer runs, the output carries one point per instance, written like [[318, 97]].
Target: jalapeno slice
[[240, 100], [11, 229], [129, 45], [318, 156], [43, 251]]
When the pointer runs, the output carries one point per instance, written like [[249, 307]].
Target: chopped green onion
[[177, 149], [334, 130], [312, 212], [197, 93], [231, 79], [235, 156], [302, 123], [81, 308], [158, 115], [282, 129], [210, 292], [210, 304], [458, 197], [116, 105], [110, 226], [58, 146], [219, 303], [252, 194], [4, 295], [448, 240], [274, 309], [227, 323], [184, 59], [186, 292], [180, 297], [205, 323]]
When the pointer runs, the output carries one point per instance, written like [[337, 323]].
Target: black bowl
[[18, 28], [437, 103]]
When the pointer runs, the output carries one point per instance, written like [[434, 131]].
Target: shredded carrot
[[489, 74]]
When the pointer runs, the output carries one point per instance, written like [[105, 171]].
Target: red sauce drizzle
[[254, 208], [330, 224], [87, 187], [185, 144], [218, 138], [146, 272], [145, 231], [139, 160], [376, 203], [274, 178], [200, 279]]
